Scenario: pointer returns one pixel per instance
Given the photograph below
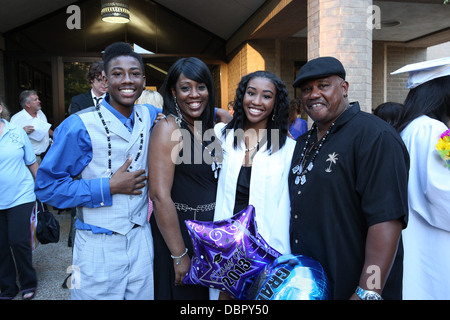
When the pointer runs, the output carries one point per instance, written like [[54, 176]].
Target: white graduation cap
[[422, 72]]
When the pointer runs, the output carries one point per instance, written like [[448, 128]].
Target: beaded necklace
[[301, 169], [108, 138]]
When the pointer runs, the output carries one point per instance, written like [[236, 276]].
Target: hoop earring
[[273, 115]]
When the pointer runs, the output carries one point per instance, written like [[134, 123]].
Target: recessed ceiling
[[219, 17], [223, 18], [16, 13], [416, 20]]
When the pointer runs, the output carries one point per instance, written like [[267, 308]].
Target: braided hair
[[279, 120]]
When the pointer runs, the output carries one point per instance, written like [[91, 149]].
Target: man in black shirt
[[348, 189]]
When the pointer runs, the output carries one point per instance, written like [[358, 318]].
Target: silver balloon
[[291, 277]]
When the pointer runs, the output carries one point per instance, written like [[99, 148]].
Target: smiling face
[[324, 99], [192, 97], [259, 102], [126, 81]]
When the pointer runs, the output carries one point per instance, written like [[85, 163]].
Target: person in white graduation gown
[[426, 240]]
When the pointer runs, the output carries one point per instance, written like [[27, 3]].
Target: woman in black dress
[[181, 176]]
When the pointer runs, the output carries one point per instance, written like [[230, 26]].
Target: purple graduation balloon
[[228, 254]]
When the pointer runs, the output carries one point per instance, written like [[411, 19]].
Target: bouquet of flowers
[[443, 148]]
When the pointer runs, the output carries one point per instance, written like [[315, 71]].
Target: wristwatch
[[367, 295]]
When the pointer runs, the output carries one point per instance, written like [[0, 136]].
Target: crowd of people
[[365, 195]]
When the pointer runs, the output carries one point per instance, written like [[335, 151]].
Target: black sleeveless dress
[[194, 194]]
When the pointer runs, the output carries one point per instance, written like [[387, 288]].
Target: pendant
[[215, 166], [303, 180], [310, 166], [300, 179], [295, 169]]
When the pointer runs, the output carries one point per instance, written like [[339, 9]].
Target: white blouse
[[269, 192]]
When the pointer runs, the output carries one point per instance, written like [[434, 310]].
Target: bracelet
[[367, 295], [178, 259]]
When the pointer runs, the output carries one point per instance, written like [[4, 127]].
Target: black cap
[[319, 68]]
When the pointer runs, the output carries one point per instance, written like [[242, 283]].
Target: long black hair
[[279, 120], [390, 112], [194, 69], [431, 98]]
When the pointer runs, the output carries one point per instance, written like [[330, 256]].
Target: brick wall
[[368, 63], [276, 56], [386, 59], [398, 57], [338, 28], [378, 71]]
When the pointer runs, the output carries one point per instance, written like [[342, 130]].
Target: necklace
[[253, 148], [256, 145], [301, 169], [108, 139]]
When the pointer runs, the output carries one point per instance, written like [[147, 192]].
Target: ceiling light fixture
[[390, 23], [115, 11]]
